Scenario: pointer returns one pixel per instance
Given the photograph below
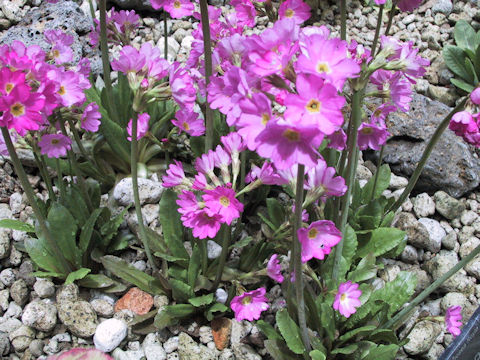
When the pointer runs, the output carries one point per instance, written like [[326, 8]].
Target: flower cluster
[[176, 8], [467, 123], [120, 25], [208, 201]]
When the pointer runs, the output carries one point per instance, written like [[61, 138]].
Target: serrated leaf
[[290, 332], [215, 308], [87, 230], [110, 228], [383, 181], [194, 266], [455, 60], [96, 281], [43, 256], [381, 241], [77, 275], [127, 272], [465, 35], [471, 70], [180, 310], [361, 331], [76, 205], [275, 211], [163, 319], [200, 301], [172, 227], [278, 350], [350, 244], [383, 352], [16, 225], [462, 85], [347, 350], [397, 292], [268, 330], [317, 355], [180, 290]]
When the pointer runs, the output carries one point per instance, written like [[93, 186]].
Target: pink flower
[[245, 11], [175, 176], [61, 51], [274, 269], [453, 320], [475, 96], [157, 4], [295, 9], [189, 121], [266, 175], [408, 5], [256, 113], [317, 103], [142, 126], [125, 21], [182, 86], [9, 80], [371, 136], [395, 86], [318, 239], [91, 118], [179, 8], [327, 58], [222, 201], [338, 140], [54, 145], [249, 305], [70, 91], [130, 60], [347, 299], [322, 181]]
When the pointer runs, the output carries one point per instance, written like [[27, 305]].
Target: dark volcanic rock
[[134, 4], [453, 165]]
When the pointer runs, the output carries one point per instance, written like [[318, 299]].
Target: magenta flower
[[61, 42], [182, 86], [142, 126], [9, 80], [179, 8], [250, 305], [175, 176], [317, 103], [295, 9], [327, 58], [321, 181], [338, 140], [475, 96], [222, 201], [274, 269], [245, 11], [266, 175], [463, 122], [71, 88], [189, 121], [130, 60], [157, 4], [91, 118], [256, 113], [371, 136], [395, 87], [54, 145], [408, 5], [318, 239], [347, 299], [205, 225], [125, 21], [453, 320]]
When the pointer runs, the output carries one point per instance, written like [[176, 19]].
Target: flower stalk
[[227, 234], [377, 30]]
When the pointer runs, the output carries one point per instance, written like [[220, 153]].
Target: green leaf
[[290, 332], [200, 301], [465, 35], [366, 269], [110, 228], [383, 181], [215, 308], [381, 241], [278, 350], [327, 317], [397, 292], [268, 330], [163, 319], [275, 212], [77, 275], [180, 290], [350, 244], [462, 85], [317, 355], [48, 274], [197, 143], [180, 310], [96, 281], [76, 205], [383, 352], [383, 335], [16, 225], [471, 70], [87, 230], [347, 350], [127, 272], [361, 331], [194, 266], [369, 216], [455, 60], [171, 224], [63, 226], [43, 256]]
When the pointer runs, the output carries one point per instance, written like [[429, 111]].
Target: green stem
[[243, 170], [297, 258], [136, 196], [207, 46], [426, 154], [105, 59], [61, 184], [423, 295], [92, 11], [350, 176], [379, 163], [78, 140], [343, 19], [227, 235], [377, 30], [165, 35], [391, 15], [44, 172], [22, 176]]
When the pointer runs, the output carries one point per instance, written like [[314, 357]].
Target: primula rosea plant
[[256, 139]]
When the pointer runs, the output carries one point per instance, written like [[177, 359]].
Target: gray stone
[[4, 243], [102, 307], [40, 315], [13, 311], [149, 191], [22, 337], [9, 325], [109, 334], [451, 166], [468, 246], [153, 348], [44, 288], [12, 9], [67, 293], [4, 344], [16, 203], [245, 352], [409, 254], [189, 349], [25, 271], [422, 337], [173, 47], [213, 249], [453, 299], [4, 295], [449, 241], [171, 344], [468, 217], [19, 292], [434, 352], [7, 277], [36, 347], [423, 205], [435, 232], [397, 182], [443, 7], [79, 317], [417, 233]]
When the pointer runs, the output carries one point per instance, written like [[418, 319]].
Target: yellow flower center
[[55, 141], [265, 119], [343, 297], [322, 67], [377, 113], [246, 300], [367, 131], [17, 109], [291, 135], [62, 91], [9, 87], [186, 126], [177, 4], [225, 201], [312, 233], [56, 53], [289, 13], [314, 106]]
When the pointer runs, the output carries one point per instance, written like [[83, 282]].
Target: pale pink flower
[[91, 118], [295, 9], [142, 126], [250, 305], [274, 269], [475, 96], [54, 145], [318, 239], [453, 320], [347, 299], [222, 201]]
